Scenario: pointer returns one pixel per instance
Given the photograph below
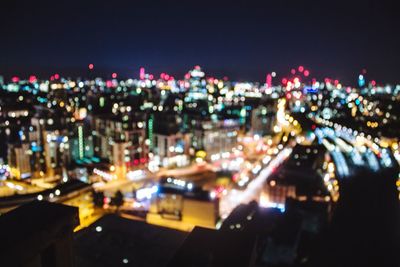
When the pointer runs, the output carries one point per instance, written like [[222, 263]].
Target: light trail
[[235, 197]]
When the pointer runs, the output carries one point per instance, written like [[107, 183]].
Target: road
[[234, 197]]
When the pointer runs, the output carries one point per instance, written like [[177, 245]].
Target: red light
[[284, 81], [166, 77], [162, 75], [306, 73], [32, 79], [301, 68], [288, 96], [151, 76], [56, 76], [91, 66], [136, 162], [313, 126], [293, 71], [15, 79], [114, 75], [142, 160], [373, 82]]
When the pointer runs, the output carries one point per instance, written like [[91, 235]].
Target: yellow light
[[201, 154]]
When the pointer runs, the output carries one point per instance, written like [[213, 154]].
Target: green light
[[101, 101], [150, 125], [243, 112]]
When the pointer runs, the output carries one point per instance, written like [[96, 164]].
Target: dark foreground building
[[38, 234]]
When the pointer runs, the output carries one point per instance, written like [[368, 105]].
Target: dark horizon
[[243, 41]]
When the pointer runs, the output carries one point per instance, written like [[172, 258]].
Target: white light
[[136, 175], [213, 195], [99, 229], [57, 192], [125, 260], [190, 186], [40, 197]]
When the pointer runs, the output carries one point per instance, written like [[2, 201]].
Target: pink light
[[293, 71], [15, 79], [114, 75], [269, 80], [284, 81], [91, 66], [187, 76], [301, 69], [162, 75], [56, 76], [373, 82], [166, 77], [306, 73], [142, 73], [197, 67], [32, 79], [151, 76], [109, 83]]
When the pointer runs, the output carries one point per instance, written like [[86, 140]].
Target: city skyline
[[199, 133]]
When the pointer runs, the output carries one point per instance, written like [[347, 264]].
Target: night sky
[[240, 39]]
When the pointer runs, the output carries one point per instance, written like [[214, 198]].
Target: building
[[263, 118], [46, 241], [300, 178], [214, 137], [120, 141], [19, 160]]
